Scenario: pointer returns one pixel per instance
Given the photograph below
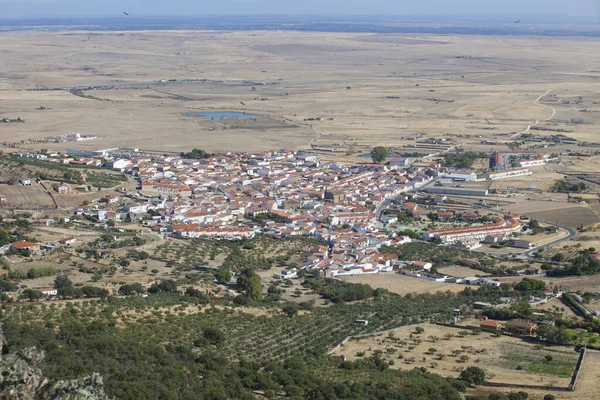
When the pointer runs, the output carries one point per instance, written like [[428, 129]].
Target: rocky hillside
[[22, 379]]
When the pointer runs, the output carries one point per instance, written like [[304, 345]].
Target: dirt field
[[365, 91], [25, 197], [461, 272], [505, 359], [402, 284], [555, 305], [587, 383]]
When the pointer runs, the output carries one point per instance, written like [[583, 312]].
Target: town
[[353, 210]]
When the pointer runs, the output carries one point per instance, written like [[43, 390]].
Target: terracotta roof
[[24, 245]]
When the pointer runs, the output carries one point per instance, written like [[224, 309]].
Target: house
[[24, 245], [481, 305], [68, 241], [490, 325], [409, 206], [469, 216], [49, 291], [111, 199], [493, 239], [135, 208], [420, 265], [521, 327], [445, 215], [287, 274], [2, 199], [520, 244], [399, 162], [61, 188], [335, 196], [25, 181]]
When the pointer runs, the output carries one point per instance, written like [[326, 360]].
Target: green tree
[[223, 275], [31, 295], [214, 336], [62, 282], [290, 309], [473, 376], [251, 284], [379, 154], [164, 286], [528, 285], [131, 289]]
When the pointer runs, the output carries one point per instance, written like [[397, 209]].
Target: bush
[[164, 286], [473, 376], [131, 289], [213, 336], [290, 309]]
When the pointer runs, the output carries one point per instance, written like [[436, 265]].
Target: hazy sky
[[63, 8]]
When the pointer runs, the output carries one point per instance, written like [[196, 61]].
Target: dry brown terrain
[[402, 284], [498, 356], [368, 89], [587, 383]]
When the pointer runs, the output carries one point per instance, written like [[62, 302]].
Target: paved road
[[528, 253]]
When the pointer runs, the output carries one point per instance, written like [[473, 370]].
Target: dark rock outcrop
[[22, 379]]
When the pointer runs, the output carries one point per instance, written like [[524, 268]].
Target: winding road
[[537, 103], [571, 233]]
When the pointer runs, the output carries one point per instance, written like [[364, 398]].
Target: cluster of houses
[[473, 235], [514, 327], [283, 193], [36, 248]]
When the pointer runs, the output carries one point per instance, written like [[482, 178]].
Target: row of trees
[[339, 291], [196, 154], [564, 186], [463, 160]]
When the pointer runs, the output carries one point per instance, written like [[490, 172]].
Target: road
[[537, 103], [528, 253], [571, 234]]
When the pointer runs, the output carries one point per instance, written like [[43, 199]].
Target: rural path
[[537, 103]]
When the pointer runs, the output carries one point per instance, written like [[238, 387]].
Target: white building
[[494, 176], [119, 165], [478, 233], [532, 163], [136, 208], [291, 273]]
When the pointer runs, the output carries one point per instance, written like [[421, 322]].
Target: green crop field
[[536, 360]]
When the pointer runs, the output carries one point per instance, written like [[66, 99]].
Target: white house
[[49, 291], [136, 208], [291, 273]]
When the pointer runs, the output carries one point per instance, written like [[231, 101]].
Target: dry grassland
[[400, 86], [498, 356], [402, 284]]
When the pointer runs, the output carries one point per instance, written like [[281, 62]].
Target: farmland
[[449, 350]]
